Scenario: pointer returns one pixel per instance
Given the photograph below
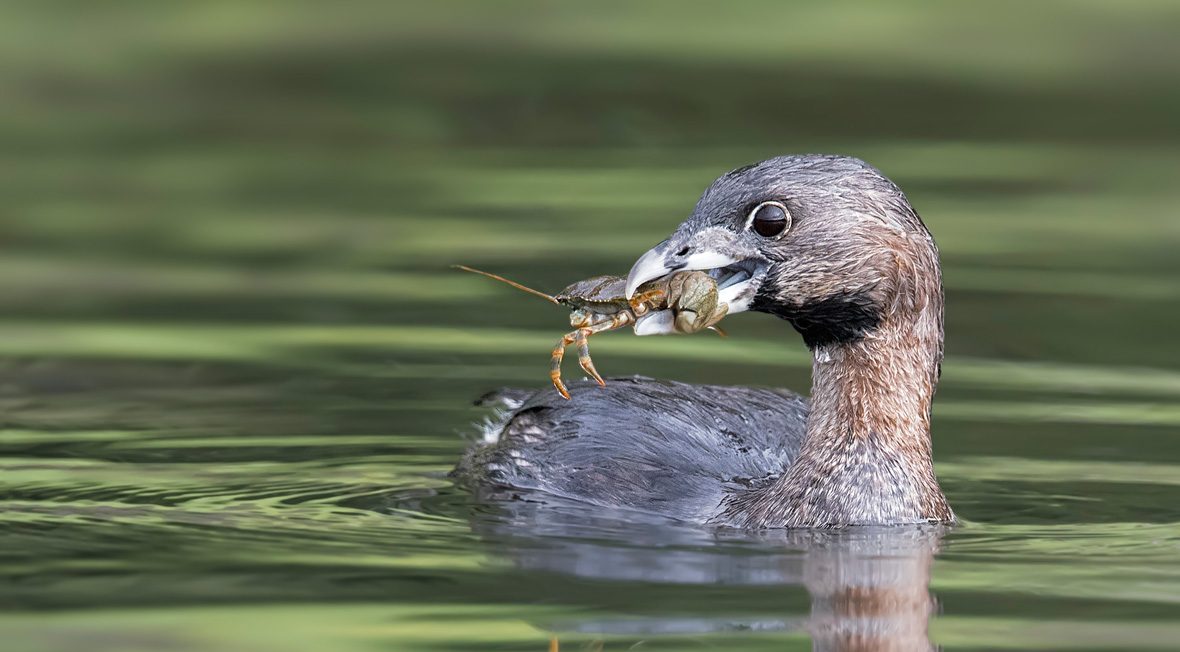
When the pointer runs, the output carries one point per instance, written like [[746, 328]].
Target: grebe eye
[[770, 219]]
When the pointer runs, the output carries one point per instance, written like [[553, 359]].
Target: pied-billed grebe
[[834, 248]]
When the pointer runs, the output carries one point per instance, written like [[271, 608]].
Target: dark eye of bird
[[770, 219]]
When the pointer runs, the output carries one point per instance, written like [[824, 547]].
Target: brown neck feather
[[878, 389]]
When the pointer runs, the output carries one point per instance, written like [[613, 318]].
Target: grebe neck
[[878, 389], [866, 457]]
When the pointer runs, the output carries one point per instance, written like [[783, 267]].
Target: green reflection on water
[[236, 367]]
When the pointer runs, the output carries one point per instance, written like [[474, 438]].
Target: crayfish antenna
[[514, 284]]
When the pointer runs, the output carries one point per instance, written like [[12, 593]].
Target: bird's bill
[[737, 280]]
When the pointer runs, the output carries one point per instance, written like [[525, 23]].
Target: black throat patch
[[840, 318]]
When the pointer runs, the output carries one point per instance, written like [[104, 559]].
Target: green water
[[236, 368]]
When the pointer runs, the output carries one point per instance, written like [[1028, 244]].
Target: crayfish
[[600, 304]]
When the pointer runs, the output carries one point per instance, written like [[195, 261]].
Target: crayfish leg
[[584, 356], [643, 301], [555, 366], [580, 336]]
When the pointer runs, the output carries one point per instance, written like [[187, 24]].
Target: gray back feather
[[657, 446]]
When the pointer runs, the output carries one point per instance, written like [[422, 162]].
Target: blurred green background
[[236, 364]]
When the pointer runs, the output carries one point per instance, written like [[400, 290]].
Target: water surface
[[236, 367]]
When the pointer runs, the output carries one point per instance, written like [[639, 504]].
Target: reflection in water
[[868, 587]]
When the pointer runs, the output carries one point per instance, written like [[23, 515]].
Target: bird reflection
[[868, 587]]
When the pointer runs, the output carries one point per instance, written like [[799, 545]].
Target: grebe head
[[825, 242]]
